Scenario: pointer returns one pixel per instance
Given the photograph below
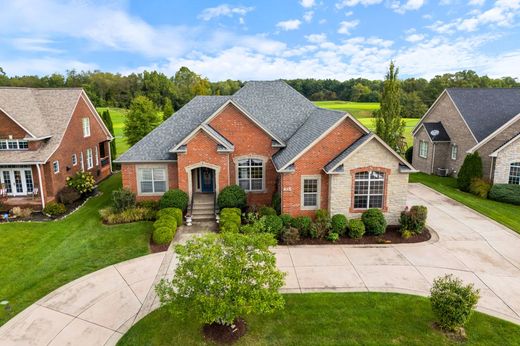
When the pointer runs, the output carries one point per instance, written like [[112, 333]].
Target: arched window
[[369, 189], [251, 174], [514, 173]]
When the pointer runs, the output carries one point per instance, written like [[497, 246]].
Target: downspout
[[110, 157], [433, 158], [40, 183]]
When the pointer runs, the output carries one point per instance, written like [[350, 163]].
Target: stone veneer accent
[[505, 157], [375, 155]]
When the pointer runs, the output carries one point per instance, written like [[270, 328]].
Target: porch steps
[[203, 207]]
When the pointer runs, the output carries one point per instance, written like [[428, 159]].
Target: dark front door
[[207, 177]]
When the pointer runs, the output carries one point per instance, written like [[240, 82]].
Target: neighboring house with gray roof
[[47, 135], [462, 121], [269, 139]]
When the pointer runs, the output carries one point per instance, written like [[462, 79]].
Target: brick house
[[269, 139], [463, 121], [47, 135]]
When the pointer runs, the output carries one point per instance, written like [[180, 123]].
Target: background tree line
[[168, 94]]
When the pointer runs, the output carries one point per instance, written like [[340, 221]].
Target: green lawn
[[37, 258], [506, 214], [357, 109], [332, 319], [118, 119]]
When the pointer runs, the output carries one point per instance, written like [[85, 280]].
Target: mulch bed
[[154, 248], [225, 334], [392, 236]]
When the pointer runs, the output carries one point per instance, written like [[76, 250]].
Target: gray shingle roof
[[42, 112], [441, 136], [486, 109], [345, 153]]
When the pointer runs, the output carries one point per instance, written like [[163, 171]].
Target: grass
[[357, 109], [37, 258], [332, 319], [118, 119], [506, 214]]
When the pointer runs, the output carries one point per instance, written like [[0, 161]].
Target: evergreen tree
[[389, 125], [140, 120], [107, 119], [471, 169], [167, 108]]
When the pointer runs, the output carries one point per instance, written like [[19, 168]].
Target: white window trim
[[17, 142], [57, 165], [97, 156], [74, 159], [318, 198], [85, 123], [509, 172], [82, 161], [421, 143], [369, 180], [247, 157], [138, 178], [454, 146], [90, 163]]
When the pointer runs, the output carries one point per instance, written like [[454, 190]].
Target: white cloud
[[409, 5], [414, 38], [349, 14], [476, 2], [346, 26], [33, 44], [316, 38], [352, 3], [291, 24], [307, 16], [307, 3], [224, 10], [43, 66]]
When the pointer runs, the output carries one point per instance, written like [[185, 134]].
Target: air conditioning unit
[[443, 172]]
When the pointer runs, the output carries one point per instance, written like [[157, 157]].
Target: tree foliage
[[389, 124], [107, 119], [221, 277], [140, 120], [167, 108], [471, 169]]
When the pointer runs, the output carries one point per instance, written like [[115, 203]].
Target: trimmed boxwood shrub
[[286, 219], [507, 193], [471, 169], [229, 227], [175, 212], [303, 224], [123, 199], [230, 220], [356, 228], [273, 224], [232, 196], [54, 209], [174, 199], [264, 211], [374, 221], [162, 235], [339, 224]]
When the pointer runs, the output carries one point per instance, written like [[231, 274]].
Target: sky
[[262, 40]]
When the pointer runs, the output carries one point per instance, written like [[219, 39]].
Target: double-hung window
[[90, 161], [86, 127], [310, 197], [369, 190], [251, 174], [423, 149], [454, 151], [74, 159], [514, 173], [56, 166], [152, 180]]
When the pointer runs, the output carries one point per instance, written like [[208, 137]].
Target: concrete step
[[202, 212], [203, 204], [196, 218]]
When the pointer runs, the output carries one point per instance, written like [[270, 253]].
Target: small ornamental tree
[[82, 182], [222, 277], [471, 169]]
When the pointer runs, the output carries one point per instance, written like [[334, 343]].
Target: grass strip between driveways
[[37, 258], [332, 319], [506, 214]]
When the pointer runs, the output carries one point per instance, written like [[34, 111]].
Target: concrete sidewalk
[[98, 308]]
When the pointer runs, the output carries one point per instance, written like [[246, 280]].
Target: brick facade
[[10, 128], [503, 161]]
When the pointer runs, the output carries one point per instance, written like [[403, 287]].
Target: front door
[[17, 182], [207, 177]]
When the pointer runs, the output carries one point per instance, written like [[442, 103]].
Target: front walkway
[[98, 308]]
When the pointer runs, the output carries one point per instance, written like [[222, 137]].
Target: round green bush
[[374, 221], [54, 209], [286, 220], [162, 235], [303, 224], [232, 196], [235, 211], [174, 199], [166, 222], [175, 212], [506, 193], [339, 224], [230, 216], [273, 224], [229, 227], [264, 211], [356, 228]]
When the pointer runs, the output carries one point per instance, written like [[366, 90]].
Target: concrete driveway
[[99, 308]]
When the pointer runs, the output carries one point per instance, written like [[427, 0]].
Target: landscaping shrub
[[229, 227], [333, 237], [471, 168], [174, 198], [123, 199], [480, 187], [258, 226], [321, 227], [277, 203], [413, 220], [273, 224], [356, 228], [452, 302], [374, 221], [230, 220], [162, 235], [339, 224], [408, 154], [21, 212], [54, 209], [265, 211], [149, 204], [68, 195], [232, 196], [174, 212], [109, 216], [507, 193], [82, 182], [303, 224], [286, 220], [290, 235]]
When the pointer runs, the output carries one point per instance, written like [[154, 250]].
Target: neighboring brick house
[[47, 135], [463, 121], [269, 139]]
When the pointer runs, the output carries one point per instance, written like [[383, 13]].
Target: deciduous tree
[[140, 120]]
